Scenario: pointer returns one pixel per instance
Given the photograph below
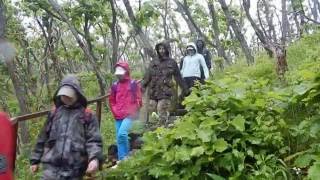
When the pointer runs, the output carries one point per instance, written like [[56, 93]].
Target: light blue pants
[[122, 130]]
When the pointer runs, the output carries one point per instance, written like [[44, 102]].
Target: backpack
[[133, 89]]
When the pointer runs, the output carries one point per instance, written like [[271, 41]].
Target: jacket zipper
[[65, 133]]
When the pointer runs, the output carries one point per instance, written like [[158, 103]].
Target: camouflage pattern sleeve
[[39, 147], [93, 140]]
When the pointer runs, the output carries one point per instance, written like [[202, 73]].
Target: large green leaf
[[303, 160], [205, 134], [314, 171], [197, 151], [220, 145], [238, 123]]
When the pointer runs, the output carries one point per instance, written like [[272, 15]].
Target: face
[[68, 100], [120, 77], [161, 51], [191, 52], [200, 44]]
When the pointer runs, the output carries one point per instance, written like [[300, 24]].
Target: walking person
[[158, 78], [125, 101], [201, 48], [70, 144], [190, 70]]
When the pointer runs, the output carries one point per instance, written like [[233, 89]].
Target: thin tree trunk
[[186, 10], [269, 19], [69, 61], [7, 52], [234, 24], [313, 7], [285, 22], [164, 20], [115, 36], [177, 30], [2, 19], [215, 27], [144, 40], [83, 46], [192, 29]]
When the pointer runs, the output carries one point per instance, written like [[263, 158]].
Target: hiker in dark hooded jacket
[[201, 49], [70, 142], [159, 80], [125, 101], [191, 66]]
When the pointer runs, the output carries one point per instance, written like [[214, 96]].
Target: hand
[[34, 168], [143, 90], [93, 166], [185, 93]]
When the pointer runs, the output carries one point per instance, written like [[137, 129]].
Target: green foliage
[[147, 14], [243, 124]]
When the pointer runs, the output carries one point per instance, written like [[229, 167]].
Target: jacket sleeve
[[146, 78], [93, 140], [39, 147], [204, 66], [178, 78], [208, 59], [139, 95], [112, 101], [181, 63]]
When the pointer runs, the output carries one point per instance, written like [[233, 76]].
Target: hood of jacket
[[166, 47], [125, 66], [191, 44], [71, 80], [203, 47]]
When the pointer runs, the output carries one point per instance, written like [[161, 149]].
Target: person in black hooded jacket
[[201, 49]]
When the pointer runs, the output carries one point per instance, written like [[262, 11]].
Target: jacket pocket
[[78, 156]]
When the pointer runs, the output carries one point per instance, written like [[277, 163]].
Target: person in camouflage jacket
[[70, 143], [159, 80]]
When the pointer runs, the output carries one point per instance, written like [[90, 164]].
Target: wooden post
[[98, 111], [15, 144]]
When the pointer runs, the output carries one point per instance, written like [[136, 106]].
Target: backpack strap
[[51, 116], [87, 115], [133, 89]]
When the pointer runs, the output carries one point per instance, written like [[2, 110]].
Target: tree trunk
[[2, 19], [186, 10], [144, 40], [215, 27], [234, 24], [115, 36], [285, 22], [22, 100], [7, 52], [69, 61], [177, 30], [83, 46], [314, 10], [165, 23], [317, 5], [269, 18]]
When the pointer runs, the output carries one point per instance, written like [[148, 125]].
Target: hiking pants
[[190, 81], [162, 108], [122, 130], [56, 173]]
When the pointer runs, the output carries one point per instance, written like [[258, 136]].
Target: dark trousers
[[190, 81]]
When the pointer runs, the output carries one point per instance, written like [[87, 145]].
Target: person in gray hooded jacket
[[191, 65], [70, 143]]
